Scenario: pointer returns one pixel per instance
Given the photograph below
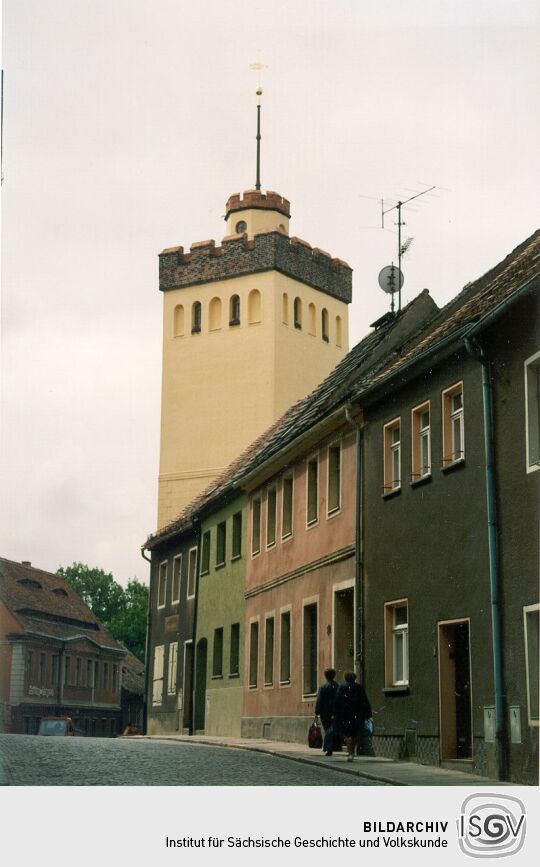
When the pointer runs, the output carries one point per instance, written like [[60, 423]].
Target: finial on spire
[[258, 67]]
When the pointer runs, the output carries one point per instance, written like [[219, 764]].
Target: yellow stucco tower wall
[[249, 327]]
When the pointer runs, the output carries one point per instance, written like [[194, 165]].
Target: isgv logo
[[491, 826]]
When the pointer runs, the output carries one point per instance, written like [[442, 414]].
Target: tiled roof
[[44, 603], [132, 673]]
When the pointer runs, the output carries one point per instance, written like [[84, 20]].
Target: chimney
[[26, 563]]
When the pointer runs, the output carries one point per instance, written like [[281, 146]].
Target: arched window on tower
[[297, 313], [254, 306], [285, 309], [312, 319], [214, 314], [234, 310], [338, 331], [324, 324], [196, 316], [178, 321]]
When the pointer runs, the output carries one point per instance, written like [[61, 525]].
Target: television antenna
[[402, 247]]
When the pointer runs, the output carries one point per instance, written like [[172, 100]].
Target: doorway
[[455, 699], [343, 631], [200, 684]]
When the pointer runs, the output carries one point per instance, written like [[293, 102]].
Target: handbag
[[314, 737], [368, 726]]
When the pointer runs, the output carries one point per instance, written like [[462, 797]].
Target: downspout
[[358, 552], [147, 643], [195, 612], [476, 351]]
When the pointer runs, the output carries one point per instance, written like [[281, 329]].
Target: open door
[[343, 632], [455, 690]]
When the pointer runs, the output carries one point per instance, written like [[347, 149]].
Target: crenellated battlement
[[269, 201], [238, 256]]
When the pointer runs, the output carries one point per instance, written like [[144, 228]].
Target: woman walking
[[352, 710]]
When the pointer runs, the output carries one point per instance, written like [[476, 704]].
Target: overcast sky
[[128, 123]]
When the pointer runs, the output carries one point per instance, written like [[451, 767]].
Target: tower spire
[[258, 178]]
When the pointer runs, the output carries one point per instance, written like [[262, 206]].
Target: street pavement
[[29, 760]]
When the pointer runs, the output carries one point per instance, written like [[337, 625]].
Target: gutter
[[477, 352], [358, 552], [194, 654], [147, 642]]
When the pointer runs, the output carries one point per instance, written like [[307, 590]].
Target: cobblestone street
[[27, 760]]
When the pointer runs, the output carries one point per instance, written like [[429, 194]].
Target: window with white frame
[[253, 653], [271, 503], [269, 651], [334, 478], [392, 456], [173, 665], [192, 572], [421, 442], [255, 526], [157, 675], [397, 643], [312, 491], [531, 622], [176, 575], [162, 585], [285, 648], [453, 425], [287, 506], [532, 412]]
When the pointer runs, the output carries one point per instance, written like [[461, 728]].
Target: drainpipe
[[358, 552], [147, 643], [476, 351], [193, 655]]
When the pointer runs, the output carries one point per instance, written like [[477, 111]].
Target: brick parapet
[[269, 201], [267, 251]]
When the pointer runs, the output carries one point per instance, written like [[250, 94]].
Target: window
[[42, 669], [532, 412], [312, 319], [176, 577], [173, 667], [214, 314], [115, 678], [29, 666], [205, 553], [89, 672], [105, 675], [254, 307], [237, 535], [297, 313], [324, 325], [67, 671], [392, 455], [285, 309], [178, 321], [253, 653], [78, 672], [157, 676], [256, 526], [310, 649], [287, 507], [312, 491], [217, 658], [196, 317], [54, 670], [334, 478], [192, 572], [271, 502], [221, 541], [162, 584], [269, 651], [339, 337], [234, 310], [234, 656], [397, 643], [453, 432], [96, 674], [530, 618], [285, 648], [421, 442]]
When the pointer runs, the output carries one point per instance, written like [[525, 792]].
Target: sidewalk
[[379, 770]]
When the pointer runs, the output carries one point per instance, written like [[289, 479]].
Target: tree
[[122, 611]]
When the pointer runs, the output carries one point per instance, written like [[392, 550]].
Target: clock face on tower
[[240, 227]]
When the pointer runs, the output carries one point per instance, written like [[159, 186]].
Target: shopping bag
[[314, 736]]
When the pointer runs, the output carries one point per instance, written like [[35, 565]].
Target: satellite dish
[[391, 279]]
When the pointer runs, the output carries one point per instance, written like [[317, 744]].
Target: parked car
[[56, 726]]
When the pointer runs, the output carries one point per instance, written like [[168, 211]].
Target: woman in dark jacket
[[352, 710]]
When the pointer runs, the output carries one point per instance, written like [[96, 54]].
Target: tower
[[249, 328]]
